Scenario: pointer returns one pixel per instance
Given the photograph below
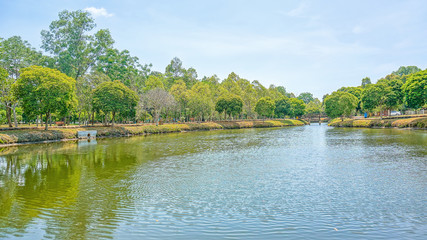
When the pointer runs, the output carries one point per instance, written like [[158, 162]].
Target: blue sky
[[314, 46]]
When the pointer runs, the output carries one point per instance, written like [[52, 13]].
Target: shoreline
[[36, 136], [415, 123]]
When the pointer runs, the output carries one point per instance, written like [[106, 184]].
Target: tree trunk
[[14, 114], [47, 121], [8, 115], [112, 120], [93, 117]]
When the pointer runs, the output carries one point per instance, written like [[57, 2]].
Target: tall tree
[[120, 65], [16, 54], [314, 108], [406, 70], [297, 107], [265, 107], [45, 91], [340, 104], [415, 90], [306, 97], [283, 107], [373, 96], [201, 101], [84, 91], [365, 82], [114, 97], [69, 41]]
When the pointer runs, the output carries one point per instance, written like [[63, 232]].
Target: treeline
[[401, 90], [81, 77]]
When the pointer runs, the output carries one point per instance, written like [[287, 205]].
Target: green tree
[[229, 104], [306, 97], [235, 105], [392, 85], [6, 96], [406, 70], [120, 65], [373, 96], [365, 82], [69, 41], [340, 104], [153, 82], [221, 106], [114, 97], [15, 54], [357, 92], [248, 96], [297, 107], [265, 107], [415, 90], [283, 107], [314, 108], [182, 96], [45, 91], [201, 101], [84, 91]]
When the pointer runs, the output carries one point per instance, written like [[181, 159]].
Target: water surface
[[298, 182]]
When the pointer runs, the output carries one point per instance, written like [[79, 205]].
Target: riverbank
[[11, 137], [414, 122]]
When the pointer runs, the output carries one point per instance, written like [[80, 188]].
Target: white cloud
[[98, 12]]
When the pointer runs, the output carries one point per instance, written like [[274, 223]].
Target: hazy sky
[[314, 46]]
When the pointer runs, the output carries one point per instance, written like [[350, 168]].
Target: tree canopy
[[415, 90], [114, 97], [46, 91], [340, 104], [265, 107]]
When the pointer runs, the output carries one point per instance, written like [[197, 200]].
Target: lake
[[297, 182]]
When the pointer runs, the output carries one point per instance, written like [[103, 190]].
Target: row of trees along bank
[[81, 77], [401, 90]]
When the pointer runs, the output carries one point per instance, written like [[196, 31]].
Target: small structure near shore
[[86, 134]]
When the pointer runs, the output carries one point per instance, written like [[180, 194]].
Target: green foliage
[[415, 90], [265, 107], [115, 97], [201, 100], [283, 107], [306, 97], [340, 104], [120, 65], [373, 96], [314, 107], [17, 54], [365, 82], [45, 91], [153, 82], [406, 70], [74, 49], [229, 104], [297, 107]]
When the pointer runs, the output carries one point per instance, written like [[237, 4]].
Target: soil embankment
[[18, 136]]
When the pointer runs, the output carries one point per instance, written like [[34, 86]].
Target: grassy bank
[[416, 122], [38, 135]]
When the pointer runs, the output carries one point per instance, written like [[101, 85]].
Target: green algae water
[[310, 182]]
